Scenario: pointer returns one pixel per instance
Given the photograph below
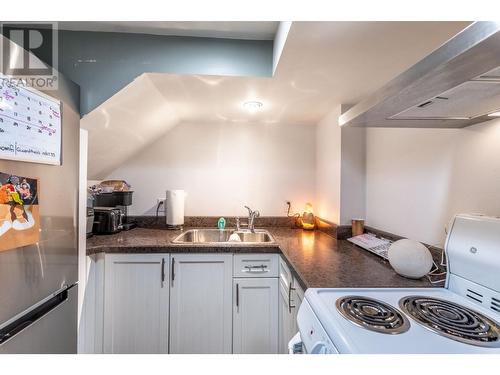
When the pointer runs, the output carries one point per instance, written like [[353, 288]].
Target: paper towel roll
[[174, 207]]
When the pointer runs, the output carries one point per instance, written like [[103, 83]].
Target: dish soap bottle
[[221, 223]]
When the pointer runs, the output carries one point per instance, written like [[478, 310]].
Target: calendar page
[[30, 124]]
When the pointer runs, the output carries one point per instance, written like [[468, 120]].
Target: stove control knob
[[321, 347]]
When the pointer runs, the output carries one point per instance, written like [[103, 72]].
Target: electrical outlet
[[160, 204]]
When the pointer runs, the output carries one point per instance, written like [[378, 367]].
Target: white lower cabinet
[[136, 295], [296, 301], [291, 296], [192, 303], [286, 320], [201, 303], [255, 315]]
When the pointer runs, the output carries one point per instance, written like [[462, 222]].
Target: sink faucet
[[251, 218]]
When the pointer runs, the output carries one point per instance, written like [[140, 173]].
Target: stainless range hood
[[457, 85]]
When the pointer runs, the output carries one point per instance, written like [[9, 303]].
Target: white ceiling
[[323, 64], [231, 30]]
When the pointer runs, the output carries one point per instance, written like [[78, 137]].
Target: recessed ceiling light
[[494, 114], [253, 105]]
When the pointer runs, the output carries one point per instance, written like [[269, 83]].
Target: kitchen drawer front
[[298, 290], [256, 265], [285, 273]]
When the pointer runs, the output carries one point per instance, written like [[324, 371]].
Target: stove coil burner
[[372, 314], [453, 321]]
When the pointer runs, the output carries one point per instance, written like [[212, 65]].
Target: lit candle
[[308, 221]]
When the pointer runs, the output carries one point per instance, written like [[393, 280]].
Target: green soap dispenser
[[221, 223]]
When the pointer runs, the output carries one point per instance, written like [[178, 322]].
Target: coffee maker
[[116, 200]]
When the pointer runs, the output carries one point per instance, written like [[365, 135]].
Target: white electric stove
[[462, 317]]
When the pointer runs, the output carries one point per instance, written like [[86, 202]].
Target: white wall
[[224, 166], [117, 129], [340, 170], [417, 179], [353, 175], [328, 167]]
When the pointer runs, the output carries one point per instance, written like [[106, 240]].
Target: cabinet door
[[286, 318], [136, 303], [201, 303], [286, 307], [255, 316], [297, 296]]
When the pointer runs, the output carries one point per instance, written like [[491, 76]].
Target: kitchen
[[250, 187]]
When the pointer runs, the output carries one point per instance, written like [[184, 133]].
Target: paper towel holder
[[174, 209]]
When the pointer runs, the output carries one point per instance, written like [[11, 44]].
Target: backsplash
[[343, 232], [211, 221], [340, 232], [436, 252]]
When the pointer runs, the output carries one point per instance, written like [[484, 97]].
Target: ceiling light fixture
[[494, 114], [253, 105]]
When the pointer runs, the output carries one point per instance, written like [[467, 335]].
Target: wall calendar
[[30, 124]]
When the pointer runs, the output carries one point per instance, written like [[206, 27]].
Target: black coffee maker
[[118, 200]]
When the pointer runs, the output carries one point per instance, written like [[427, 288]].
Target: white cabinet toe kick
[[193, 303]]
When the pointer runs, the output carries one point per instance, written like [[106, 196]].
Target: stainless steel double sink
[[219, 236]]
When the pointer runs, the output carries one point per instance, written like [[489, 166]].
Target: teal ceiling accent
[[103, 63]]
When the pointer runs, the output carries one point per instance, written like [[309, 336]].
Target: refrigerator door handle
[[31, 316]]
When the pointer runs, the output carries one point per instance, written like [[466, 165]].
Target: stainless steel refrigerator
[[38, 283]]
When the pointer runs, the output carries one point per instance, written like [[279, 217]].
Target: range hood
[[457, 85]]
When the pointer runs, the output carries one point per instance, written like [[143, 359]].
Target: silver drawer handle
[[261, 268]]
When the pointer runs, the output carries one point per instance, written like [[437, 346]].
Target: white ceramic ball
[[410, 258]]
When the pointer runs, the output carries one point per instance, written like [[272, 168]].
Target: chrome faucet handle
[[251, 217], [255, 214]]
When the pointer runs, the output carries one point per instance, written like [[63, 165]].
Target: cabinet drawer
[[298, 290], [256, 265], [285, 274]]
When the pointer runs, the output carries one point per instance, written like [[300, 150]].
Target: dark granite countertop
[[316, 259]]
